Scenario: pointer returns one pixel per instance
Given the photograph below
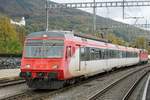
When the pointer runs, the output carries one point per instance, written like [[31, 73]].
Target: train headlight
[[55, 67], [44, 35], [27, 66]]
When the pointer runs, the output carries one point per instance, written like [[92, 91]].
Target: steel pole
[[47, 16], [94, 17], [123, 12]]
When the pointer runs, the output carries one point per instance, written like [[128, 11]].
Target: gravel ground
[[138, 92], [118, 91], [80, 92], [13, 90], [84, 91]]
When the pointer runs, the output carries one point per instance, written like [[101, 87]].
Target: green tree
[[115, 40], [9, 41], [21, 33], [140, 42]]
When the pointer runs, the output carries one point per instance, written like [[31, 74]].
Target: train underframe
[[52, 82], [45, 83]]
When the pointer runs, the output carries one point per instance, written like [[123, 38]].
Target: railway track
[[130, 91], [44, 94], [4, 83], [101, 93]]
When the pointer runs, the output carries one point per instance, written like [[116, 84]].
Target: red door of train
[[73, 56]]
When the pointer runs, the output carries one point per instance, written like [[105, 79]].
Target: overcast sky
[[116, 13]]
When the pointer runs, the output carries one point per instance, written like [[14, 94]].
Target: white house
[[20, 23]]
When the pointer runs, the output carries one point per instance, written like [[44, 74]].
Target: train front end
[[42, 64]]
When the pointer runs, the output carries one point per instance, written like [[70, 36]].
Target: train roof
[[71, 34], [49, 34], [63, 34]]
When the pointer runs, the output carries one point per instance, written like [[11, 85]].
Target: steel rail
[[45, 95], [101, 92], [130, 91], [11, 83]]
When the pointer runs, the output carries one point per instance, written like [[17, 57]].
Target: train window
[[136, 55], [116, 53], [106, 54], [82, 50], [109, 53], [85, 54], [131, 54], [97, 55], [92, 54], [87, 51], [103, 53], [82, 54], [120, 54], [123, 54], [44, 49], [127, 54], [68, 52], [100, 54], [113, 54]]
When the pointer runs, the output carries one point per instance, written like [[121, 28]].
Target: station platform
[[146, 93], [6, 74]]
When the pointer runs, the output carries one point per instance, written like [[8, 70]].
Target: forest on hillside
[[12, 37]]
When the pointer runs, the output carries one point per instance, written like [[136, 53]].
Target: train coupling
[[52, 75], [25, 74]]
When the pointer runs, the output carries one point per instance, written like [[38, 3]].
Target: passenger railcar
[[52, 59], [143, 56]]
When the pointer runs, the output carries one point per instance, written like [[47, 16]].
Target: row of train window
[[88, 53]]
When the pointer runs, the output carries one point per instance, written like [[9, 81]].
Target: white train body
[[78, 66]]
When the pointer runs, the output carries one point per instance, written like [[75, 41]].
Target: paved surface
[[86, 90], [13, 90], [146, 92], [9, 73]]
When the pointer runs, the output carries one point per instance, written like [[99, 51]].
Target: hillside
[[65, 19]]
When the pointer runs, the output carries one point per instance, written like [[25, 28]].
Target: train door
[[75, 58], [80, 59], [107, 59], [83, 58]]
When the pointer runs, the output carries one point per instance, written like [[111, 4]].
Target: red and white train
[[52, 59]]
